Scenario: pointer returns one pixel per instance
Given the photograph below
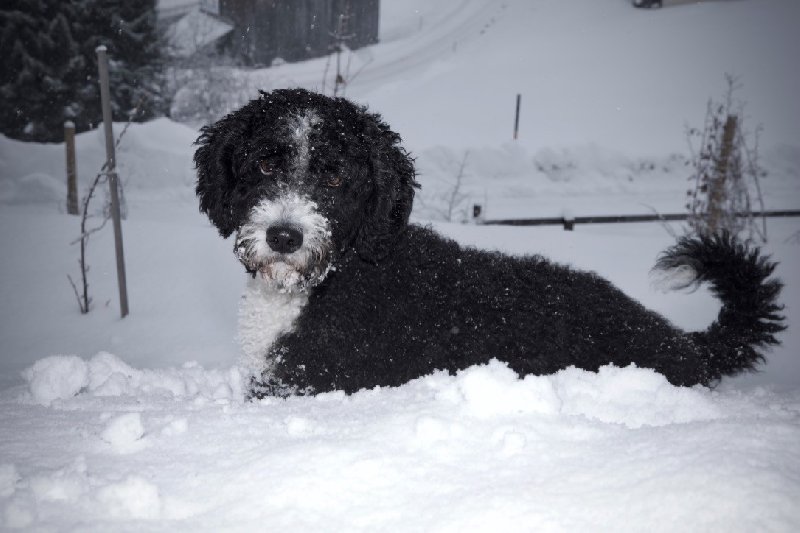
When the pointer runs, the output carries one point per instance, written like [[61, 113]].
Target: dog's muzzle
[[286, 242]]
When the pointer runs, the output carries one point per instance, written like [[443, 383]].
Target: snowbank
[[153, 159], [621, 449], [60, 377], [630, 396]]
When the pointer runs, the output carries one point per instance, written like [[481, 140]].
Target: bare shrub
[[725, 191]]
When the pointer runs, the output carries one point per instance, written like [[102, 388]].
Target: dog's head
[[302, 178]]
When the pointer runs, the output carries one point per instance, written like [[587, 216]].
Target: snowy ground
[[138, 424]]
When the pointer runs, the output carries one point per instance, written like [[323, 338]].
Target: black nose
[[284, 239]]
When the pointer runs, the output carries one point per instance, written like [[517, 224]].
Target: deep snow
[[618, 450], [138, 424]]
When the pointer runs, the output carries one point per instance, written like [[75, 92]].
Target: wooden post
[[568, 220], [516, 117], [72, 176], [111, 170], [718, 184]]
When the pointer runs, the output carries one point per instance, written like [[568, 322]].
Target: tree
[[50, 73]]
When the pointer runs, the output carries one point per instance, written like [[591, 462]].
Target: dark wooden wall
[[297, 29]]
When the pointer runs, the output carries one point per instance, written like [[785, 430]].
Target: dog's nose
[[284, 239]]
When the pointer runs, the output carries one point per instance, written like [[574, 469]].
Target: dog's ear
[[392, 197], [216, 177]]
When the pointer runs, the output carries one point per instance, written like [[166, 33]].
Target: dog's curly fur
[[366, 299]]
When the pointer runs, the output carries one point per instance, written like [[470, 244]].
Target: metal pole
[[516, 117], [111, 169], [72, 179]]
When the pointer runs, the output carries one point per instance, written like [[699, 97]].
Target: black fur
[[404, 301], [749, 317], [381, 173]]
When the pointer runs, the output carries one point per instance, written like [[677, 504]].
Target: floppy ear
[[392, 196], [216, 178]]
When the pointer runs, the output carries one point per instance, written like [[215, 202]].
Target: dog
[[345, 294]]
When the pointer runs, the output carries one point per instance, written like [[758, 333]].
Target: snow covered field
[[139, 424]]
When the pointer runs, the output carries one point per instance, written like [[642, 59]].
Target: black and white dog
[[345, 294]]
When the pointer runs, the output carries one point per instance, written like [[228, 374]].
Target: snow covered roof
[[194, 31]]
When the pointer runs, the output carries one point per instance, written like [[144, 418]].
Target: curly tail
[[750, 315]]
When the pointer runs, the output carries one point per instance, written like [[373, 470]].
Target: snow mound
[[56, 377], [124, 433], [61, 377], [512, 180], [633, 397], [153, 158], [495, 390]]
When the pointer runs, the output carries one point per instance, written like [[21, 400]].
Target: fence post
[[72, 176], [477, 213], [516, 117], [568, 220], [111, 170]]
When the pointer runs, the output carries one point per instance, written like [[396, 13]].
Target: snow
[[124, 433], [63, 377], [576, 450], [139, 424], [56, 377], [134, 497]]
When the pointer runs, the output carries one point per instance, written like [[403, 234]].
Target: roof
[[194, 31]]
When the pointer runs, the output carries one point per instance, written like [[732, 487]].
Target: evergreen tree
[[50, 72]]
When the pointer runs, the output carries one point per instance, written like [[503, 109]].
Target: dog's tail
[[738, 275]]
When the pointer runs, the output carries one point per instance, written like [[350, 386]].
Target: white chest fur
[[264, 314]]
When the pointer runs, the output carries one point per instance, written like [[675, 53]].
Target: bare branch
[[84, 310], [456, 197], [84, 301], [726, 170]]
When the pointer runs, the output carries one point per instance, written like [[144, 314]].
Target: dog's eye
[[265, 168], [334, 181]]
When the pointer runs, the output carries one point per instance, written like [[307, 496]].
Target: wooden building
[[292, 30]]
